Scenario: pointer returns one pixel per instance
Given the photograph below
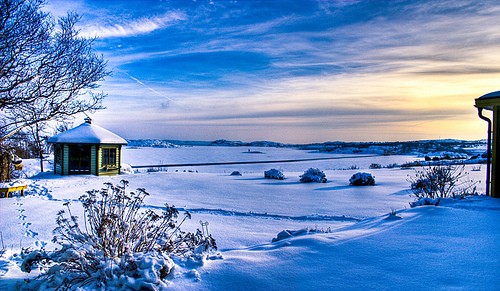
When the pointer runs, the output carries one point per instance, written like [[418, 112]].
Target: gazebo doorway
[[79, 159]]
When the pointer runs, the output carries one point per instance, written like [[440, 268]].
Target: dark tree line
[[47, 71]]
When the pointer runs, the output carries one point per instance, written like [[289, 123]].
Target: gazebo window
[[108, 156]]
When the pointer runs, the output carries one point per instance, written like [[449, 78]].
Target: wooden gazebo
[[87, 149], [491, 101]]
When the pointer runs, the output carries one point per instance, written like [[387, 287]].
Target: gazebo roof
[[488, 101], [495, 94], [87, 133]]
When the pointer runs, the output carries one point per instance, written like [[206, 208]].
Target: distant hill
[[441, 147], [423, 147]]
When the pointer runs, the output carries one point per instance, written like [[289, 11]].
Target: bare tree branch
[[47, 71]]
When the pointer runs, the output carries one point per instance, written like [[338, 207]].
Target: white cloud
[[135, 27], [60, 8]]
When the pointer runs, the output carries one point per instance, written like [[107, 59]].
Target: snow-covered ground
[[355, 246]]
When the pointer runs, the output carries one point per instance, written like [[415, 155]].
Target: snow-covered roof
[[488, 101], [495, 94], [87, 133]]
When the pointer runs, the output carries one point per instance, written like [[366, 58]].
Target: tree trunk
[[39, 145], [41, 161], [5, 164]]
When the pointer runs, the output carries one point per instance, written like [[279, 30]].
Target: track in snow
[[312, 217]]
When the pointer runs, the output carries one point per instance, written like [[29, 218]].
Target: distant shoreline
[[427, 147]]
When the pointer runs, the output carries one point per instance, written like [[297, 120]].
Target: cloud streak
[[132, 28]]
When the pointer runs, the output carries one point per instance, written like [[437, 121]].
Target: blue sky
[[294, 71]]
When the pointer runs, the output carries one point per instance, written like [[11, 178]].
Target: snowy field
[[453, 246]]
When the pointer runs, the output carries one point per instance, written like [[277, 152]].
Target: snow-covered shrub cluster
[[274, 174], [351, 167], [442, 182], [132, 271], [392, 166], [439, 156], [153, 169], [362, 179], [118, 246], [313, 175], [375, 166]]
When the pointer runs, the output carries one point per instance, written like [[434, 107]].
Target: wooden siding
[[58, 169], [93, 160]]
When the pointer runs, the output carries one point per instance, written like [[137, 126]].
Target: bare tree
[[47, 71], [22, 46], [38, 141]]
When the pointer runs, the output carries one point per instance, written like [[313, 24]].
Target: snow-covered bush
[[313, 175], [375, 166], [126, 169], [235, 173], [118, 246], [442, 182], [274, 174], [135, 271], [392, 166], [362, 179]]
